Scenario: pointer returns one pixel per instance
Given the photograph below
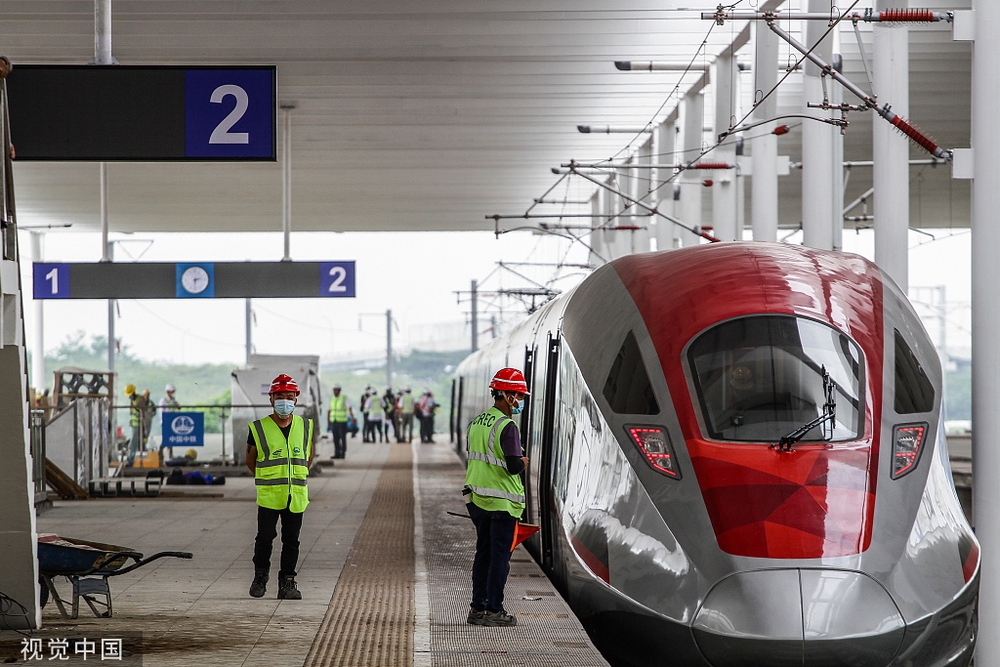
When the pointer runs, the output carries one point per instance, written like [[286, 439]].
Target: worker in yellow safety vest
[[405, 407], [340, 407], [494, 495], [279, 454]]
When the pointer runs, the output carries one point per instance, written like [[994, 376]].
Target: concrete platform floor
[[198, 612]]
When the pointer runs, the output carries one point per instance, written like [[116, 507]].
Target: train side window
[[628, 389], [914, 391]]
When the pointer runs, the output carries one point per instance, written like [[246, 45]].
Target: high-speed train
[[737, 458]]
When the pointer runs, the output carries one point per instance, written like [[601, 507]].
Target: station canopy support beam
[[986, 321]]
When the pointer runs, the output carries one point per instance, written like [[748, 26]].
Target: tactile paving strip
[[370, 619], [548, 634]]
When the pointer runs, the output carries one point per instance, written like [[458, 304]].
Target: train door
[[546, 503], [526, 429]]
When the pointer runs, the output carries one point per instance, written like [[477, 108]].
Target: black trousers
[[267, 530], [494, 535], [339, 439]]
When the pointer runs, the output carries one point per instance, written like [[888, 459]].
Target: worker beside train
[[494, 495]]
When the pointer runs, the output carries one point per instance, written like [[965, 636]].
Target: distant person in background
[[389, 408], [375, 417], [148, 410], [364, 413], [405, 407], [425, 412], [167, 404], [134, 421], [43, 404], [340, 408]]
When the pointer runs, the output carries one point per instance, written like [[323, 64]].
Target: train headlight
[[907, 443], [654, 443]]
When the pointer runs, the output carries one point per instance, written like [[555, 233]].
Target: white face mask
[[283, 406]]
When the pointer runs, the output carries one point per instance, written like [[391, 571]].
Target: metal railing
[[227, 416]]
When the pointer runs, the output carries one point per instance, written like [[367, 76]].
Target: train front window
[[761, 377]]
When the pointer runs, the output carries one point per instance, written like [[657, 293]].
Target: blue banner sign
[[184, 429]]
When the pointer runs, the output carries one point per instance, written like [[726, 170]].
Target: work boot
[[287, 590], [259, 585], [476, 616], [498, 619]]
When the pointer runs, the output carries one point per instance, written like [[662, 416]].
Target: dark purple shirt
[[510, 443]]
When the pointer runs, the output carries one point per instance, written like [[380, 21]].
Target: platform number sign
[[230, 113], [51, 281], [336, 279]]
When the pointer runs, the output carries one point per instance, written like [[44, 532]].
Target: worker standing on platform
[[389, 408], [405, 406], [494, 495], [279, 454], [167, 404], [340, 407], [425, 408], [135, 412]]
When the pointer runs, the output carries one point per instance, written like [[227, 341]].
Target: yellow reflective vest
[[338, 408], [493, 488], [282, 465]]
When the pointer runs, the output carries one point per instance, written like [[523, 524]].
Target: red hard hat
[[510, 379], [283, 383]]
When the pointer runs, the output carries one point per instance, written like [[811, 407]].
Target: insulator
[[908, 16], [780, 130], [710, 165], [708, 182], [918, 137]]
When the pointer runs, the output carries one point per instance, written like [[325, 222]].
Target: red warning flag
[[522, 532]]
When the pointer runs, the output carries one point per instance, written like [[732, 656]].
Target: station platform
[[382, 584]]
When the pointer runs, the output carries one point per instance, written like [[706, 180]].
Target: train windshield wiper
[[829, 414]]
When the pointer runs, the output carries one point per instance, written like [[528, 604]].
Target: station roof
[[430, 114]]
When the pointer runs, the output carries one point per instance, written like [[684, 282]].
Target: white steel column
[[817, 143], [837, 164], [693, 112], [724, 215], [642, 178], [112, 342], [986, 321], [665, 134], [38, 379], [764, 196], [890, 149], [249, 331], [598, 252], [102, 33]]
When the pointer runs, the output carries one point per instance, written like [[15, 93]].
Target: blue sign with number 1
[[51, 281]]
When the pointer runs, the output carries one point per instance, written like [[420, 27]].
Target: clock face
[[194, 280]]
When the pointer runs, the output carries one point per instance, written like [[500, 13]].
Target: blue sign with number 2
[[336, 279], [51, 281], [229, 113]]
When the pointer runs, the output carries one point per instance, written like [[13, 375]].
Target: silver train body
[[676, 529]]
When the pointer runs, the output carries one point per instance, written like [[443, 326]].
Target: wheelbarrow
[[87, 565]]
